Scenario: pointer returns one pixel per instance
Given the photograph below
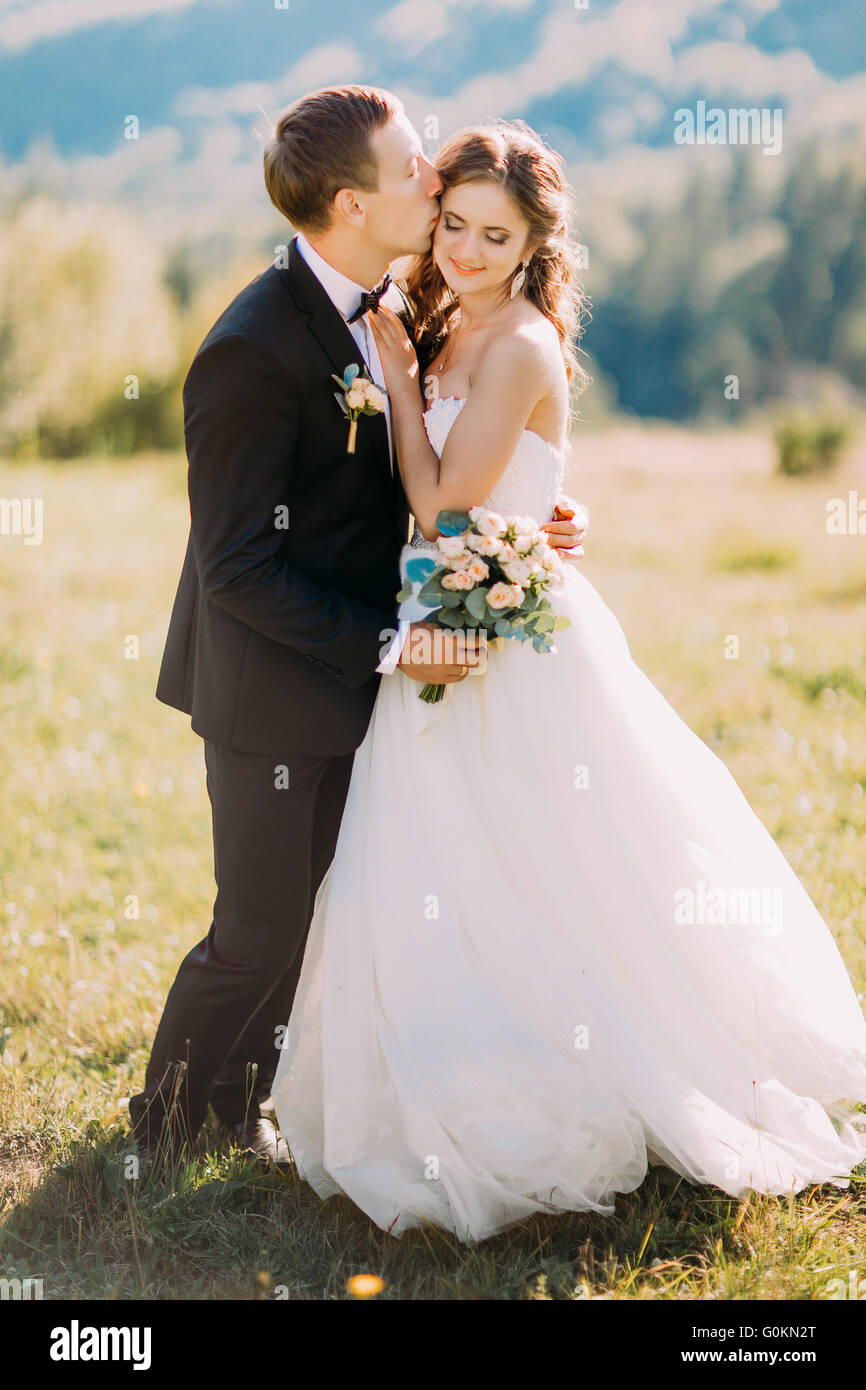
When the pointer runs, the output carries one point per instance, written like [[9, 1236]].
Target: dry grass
[[692, 543]]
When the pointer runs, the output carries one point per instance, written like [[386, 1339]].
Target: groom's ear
[[348, 205]]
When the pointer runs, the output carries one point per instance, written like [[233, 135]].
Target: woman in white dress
[[555, 944]]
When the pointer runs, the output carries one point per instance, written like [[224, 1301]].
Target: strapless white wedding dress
[[555, 944]]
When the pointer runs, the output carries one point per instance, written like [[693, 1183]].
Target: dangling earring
[[517, 282]]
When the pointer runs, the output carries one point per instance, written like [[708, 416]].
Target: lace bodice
[[530, 484]]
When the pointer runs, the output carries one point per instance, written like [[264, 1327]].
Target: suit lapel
[[331, 331]]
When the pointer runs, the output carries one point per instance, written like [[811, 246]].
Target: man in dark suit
[[285, 615]]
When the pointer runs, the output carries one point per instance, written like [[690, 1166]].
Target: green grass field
[[106, 874]]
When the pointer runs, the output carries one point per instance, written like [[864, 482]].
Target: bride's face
[[480, 239]]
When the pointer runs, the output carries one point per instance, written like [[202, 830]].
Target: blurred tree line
[[734, 275], [735, 278]]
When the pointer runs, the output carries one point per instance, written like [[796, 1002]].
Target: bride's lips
[[465, 269]]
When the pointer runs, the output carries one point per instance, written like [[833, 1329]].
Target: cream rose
[[478, 570], [375, 396], [489, 546], [452, 546], [519, 571], [525, 541], [489, 523], [356, 398]]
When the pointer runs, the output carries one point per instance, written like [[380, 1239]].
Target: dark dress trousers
[[285, 606]]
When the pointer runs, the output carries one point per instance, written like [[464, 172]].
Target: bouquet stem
[[431, 694], [353, 434]]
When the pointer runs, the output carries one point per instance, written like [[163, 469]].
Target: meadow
[[745, 612]]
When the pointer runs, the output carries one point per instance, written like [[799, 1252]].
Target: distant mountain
[[76, 86]]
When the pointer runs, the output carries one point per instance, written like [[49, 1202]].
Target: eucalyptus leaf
[[452, 523], [431, 596], [350, 373], [421, 569], [476, 603]]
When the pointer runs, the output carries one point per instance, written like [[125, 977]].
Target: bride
[[555, 944]]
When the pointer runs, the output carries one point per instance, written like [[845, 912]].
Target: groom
[[285, 615]]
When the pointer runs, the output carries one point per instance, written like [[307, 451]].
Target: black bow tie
[[370, 300]]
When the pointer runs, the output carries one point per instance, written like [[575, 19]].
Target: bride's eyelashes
[[494, 241]]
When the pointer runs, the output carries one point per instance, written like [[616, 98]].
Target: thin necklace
[[448, 341]]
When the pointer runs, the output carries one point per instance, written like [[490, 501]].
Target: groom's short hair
[[322, 143]]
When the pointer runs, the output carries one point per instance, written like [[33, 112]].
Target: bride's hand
[[396, 352]]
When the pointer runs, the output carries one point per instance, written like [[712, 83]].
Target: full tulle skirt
[[555, 945]]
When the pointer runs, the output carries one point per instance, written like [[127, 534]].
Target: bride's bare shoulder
[[526, 342]]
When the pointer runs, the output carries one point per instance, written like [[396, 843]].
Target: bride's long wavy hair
[[511, 155]]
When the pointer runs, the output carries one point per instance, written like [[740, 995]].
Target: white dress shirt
[[345, 295]]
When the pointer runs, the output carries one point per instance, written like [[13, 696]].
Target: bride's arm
[[510, 380]]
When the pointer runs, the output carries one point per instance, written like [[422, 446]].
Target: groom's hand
[[434, 655], [567, 529]]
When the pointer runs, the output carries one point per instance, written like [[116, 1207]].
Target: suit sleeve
[[241, 429]]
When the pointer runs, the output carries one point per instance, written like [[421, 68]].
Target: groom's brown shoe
[[261, 1139]]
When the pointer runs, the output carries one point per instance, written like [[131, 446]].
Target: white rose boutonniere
[[358, 396]]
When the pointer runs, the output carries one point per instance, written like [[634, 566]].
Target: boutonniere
[[358, 396]]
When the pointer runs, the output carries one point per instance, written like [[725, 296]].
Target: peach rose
[[459, 580], [501, 596]]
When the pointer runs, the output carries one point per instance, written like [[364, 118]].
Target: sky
[[204, 79]]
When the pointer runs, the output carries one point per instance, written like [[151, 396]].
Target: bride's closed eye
[[494, 241]]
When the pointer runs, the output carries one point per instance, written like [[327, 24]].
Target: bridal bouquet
[[489, 574]]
